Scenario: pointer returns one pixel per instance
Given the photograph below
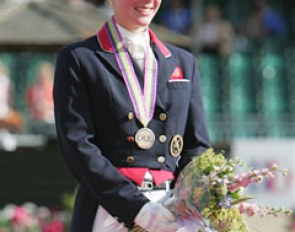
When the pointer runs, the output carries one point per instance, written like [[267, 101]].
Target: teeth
[[144, 10]]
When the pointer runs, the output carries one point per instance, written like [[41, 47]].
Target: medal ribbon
[[143, 103]]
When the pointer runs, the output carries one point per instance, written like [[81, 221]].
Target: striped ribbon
[[143, 103]]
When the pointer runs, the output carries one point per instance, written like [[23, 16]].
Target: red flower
[[54, 226], [21, 217]]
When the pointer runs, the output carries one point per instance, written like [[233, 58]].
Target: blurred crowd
[[37, 99], [213, 33]]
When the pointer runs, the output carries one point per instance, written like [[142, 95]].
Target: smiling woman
[[129, 117], [135, 15]]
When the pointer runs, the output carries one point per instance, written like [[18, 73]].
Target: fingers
[[154, 217], [171, 227], [167, 214]]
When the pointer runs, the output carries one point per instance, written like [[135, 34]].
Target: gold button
[[162, 138], [130, 159], [161, 159], [130, 116], [163, 117]]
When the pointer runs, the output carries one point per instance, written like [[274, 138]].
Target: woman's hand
[[154, 217]]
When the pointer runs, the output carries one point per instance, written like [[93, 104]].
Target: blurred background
[[246, 56]]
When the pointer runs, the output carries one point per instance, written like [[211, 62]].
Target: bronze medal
[[176, 145], [145, 138]]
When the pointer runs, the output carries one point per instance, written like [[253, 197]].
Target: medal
[[145, 138], [143, 101], [176, 145]]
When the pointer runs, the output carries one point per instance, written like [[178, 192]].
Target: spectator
[[177, 17], [4, 92], [265, 21], [10, 120], [214, 35], [39, 95]]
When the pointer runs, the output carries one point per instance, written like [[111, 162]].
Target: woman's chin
[[143, 22]]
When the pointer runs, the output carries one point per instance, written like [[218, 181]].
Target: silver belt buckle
[[167, 185], [147, 186]]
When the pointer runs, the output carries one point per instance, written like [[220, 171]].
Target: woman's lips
[[144, 10]]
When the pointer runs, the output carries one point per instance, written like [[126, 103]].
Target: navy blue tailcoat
[[93, 113]]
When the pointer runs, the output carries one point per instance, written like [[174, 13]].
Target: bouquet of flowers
[[209, 196], [209, 192]]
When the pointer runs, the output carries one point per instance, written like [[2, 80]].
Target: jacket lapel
[[166, 65], [166, 62], [106, 52]]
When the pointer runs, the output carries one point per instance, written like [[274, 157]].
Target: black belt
[[148, 185]]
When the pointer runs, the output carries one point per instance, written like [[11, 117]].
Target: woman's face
[[135, 15]]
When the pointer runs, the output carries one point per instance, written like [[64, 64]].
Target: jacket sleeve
[[196, 138], [75, 130]]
